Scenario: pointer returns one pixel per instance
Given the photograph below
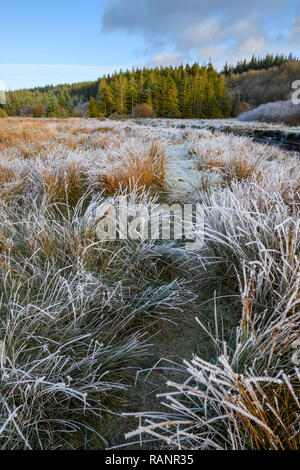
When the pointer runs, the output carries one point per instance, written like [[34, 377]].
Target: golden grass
[[241, 169], [140, 172], [6, 174], [34, 137], [31, 136], [64, 187], [4, 243], [259, 414], [10, 184], [269, 419], [234, 157], [235, 167]]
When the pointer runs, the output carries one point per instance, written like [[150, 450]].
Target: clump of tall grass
[[136, 171], [247, 398], [231, 156], [6, 174], [218, 409], [248, 224], [64, 185]]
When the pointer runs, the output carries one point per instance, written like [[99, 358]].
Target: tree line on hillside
[[257, 87], [257, 63], [55, 103], [189, 92]]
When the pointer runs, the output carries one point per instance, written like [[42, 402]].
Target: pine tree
[[131, 95], [61, 99], [69, 103], [93, 110], [105, 98], [10, 106], [120, 85], [53, 109], [172, 109], [183, 86]]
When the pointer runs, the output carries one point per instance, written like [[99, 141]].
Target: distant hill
[[257, 87], [257, 63]]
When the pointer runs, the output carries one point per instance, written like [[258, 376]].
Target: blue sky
[[72, 40]]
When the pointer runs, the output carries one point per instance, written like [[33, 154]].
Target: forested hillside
[[257, 87], [170, 92], [190, 91], [257, 63]]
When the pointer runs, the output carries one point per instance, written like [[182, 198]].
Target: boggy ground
[[91, 330]]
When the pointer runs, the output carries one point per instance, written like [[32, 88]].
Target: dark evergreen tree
[[93, 110], [53, 108], [105, 98]]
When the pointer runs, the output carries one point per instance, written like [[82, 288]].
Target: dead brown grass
[[64, 187], [236, 167], [6, 174], [27, 135], [269, 418], [34, 136], [140, 172], [241, 169]]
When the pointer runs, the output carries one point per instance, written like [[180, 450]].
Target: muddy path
[[183, 178]]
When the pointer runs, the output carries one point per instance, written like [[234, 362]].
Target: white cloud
[[245, 27], [164, 59], [294, 32], [201, 28], [207, 30], [253, 44]]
